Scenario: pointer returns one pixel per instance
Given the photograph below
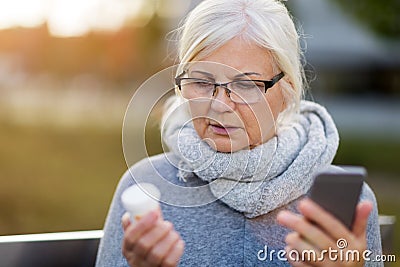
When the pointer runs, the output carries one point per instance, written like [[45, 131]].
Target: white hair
[[267, 23]]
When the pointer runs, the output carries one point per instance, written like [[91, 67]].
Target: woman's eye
[[249, 85], [203, 83], [245, 85]]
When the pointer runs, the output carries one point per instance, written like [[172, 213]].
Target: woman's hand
[[151, 241], [325, 233]]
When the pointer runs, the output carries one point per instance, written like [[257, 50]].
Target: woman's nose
[[221, 101]]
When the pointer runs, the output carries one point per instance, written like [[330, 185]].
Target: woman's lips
[[218, 129]]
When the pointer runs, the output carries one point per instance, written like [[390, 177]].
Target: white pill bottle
[[140, 199]]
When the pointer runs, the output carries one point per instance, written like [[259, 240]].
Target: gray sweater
[[214, 234]]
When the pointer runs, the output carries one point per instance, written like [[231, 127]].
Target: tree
[[382, 17]]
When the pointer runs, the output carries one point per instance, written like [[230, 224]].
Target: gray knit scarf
[[261, 179]]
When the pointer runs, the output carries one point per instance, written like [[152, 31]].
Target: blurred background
[[68, 69]]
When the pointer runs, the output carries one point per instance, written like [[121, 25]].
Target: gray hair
[[266, 23]]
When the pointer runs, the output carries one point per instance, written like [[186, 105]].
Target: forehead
[[209, 69], [235, 57]]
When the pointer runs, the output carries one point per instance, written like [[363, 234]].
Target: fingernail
[[283, 216], [305, 203], [302, 203], [126, 216], [305, 200]]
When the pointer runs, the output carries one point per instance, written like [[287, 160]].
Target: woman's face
[[226, 125]]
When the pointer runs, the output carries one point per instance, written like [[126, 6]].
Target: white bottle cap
[[140, 199]]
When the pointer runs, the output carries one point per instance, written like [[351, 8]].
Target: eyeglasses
[[239, 91]]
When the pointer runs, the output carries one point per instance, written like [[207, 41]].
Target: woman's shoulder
[[162, 166], [163, 161]]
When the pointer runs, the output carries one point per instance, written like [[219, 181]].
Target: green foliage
[[57, 179], [376, 154], [382, 17]]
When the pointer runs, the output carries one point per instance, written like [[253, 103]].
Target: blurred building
[[347, 55]]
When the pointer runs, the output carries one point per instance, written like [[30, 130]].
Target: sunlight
[[70, 18], [25, 13], [67, 18]]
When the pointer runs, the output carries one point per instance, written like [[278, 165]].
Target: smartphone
[[339, 192]]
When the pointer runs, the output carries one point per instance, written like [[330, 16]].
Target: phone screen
[[338, 193]]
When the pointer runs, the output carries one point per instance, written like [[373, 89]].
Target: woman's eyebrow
[[210, 75], [207, 74], [241, 75]]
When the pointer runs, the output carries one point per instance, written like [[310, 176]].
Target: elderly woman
[[239, 86]]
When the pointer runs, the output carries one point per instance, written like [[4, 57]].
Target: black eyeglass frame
[[267, 83]]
